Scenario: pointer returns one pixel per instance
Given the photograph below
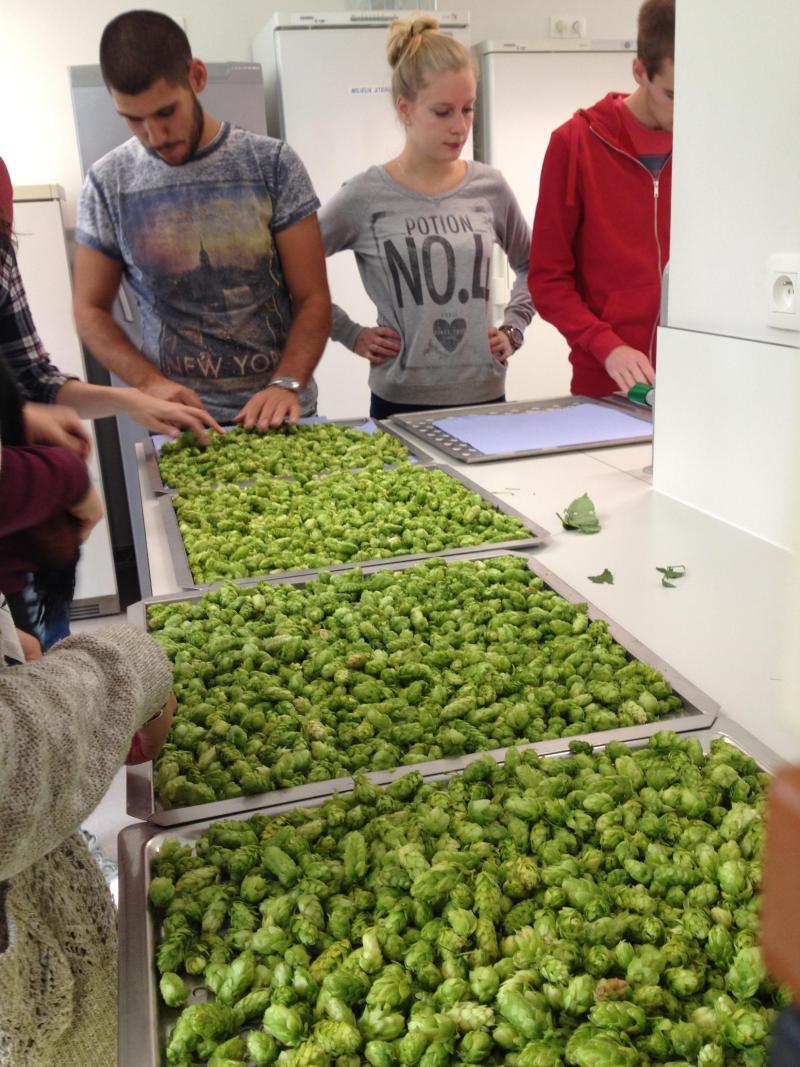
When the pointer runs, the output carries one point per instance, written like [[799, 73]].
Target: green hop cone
[[174, 990], [284, 1023], [469, 1015], [161, 892], [745, 974], [339, 1039], [618, 1016], [588, 1047], [711, 1055], [475, 1047], [579, 995], [261, 1048], [745, 1028]]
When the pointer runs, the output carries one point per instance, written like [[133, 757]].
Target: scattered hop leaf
[[669, 574], [580, 515], [604, 578]]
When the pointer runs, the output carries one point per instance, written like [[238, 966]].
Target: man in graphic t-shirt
[[601, 231], [215, 229]]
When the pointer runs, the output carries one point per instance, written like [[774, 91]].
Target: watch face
[[514, 335]]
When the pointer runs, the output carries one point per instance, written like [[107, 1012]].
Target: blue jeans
[[48, 597]]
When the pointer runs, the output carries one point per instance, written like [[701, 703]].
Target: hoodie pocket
[[633, 313]]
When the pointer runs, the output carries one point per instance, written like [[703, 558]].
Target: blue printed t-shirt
[[196, 243]]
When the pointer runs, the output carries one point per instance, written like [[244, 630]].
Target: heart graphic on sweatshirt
[[449, 334]]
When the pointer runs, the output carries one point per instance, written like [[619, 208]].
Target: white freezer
[[527, 89], [335, 109]]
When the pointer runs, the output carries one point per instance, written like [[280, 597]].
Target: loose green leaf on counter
[[580, 515], [668, 574], [606, 578]]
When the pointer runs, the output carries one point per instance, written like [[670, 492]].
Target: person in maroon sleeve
[[601, 230], [48, 507]]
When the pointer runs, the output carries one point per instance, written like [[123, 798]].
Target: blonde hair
[[418, 51]]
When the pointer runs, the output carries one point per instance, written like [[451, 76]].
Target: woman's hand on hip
[[500, 345], [378, 344]]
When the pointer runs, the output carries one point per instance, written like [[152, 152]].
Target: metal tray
[[420, 424], [143, 1022], [700, 712], [185, 578], [151, 447]]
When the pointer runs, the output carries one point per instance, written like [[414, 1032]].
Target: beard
[[197, 129], [195, 134]]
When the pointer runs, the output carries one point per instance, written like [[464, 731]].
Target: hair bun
[[406, 37]]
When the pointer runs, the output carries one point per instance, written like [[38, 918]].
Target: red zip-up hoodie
[[600, 243]]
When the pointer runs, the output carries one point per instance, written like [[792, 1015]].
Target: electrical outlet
[[783, 296], [568, 26]]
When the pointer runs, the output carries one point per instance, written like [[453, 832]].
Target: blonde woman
[[422, 227]]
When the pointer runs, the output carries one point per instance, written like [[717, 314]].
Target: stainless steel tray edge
[[177, 551], [140, 798], [137, 1013], [140, 792], [154, 479], [728, 729]]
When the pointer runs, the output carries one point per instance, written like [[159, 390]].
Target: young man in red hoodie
[[601, 231]]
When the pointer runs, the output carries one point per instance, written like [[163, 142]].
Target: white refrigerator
[[526, 90], [327, 81]]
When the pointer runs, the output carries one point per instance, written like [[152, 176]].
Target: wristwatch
[[513, 334], [283, 381]]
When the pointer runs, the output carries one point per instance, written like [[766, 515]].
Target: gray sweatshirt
[[425, 262]]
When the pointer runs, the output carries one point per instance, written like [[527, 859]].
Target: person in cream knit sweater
[[68, 720]]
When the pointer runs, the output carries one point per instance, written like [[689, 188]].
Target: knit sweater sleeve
[[66, 722]]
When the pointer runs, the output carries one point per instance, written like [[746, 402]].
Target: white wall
[[39, 39], [736, 197], [720, 445], [725, 407]]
